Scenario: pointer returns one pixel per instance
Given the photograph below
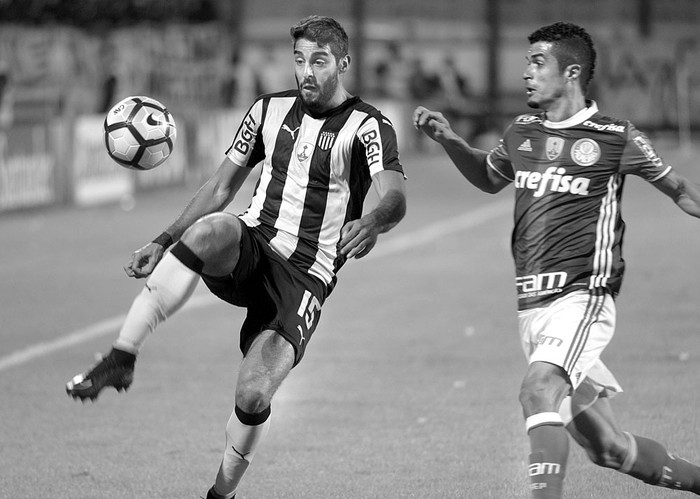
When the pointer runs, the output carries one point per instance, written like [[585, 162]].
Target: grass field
[[409, 387]]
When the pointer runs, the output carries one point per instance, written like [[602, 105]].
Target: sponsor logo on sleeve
[[245, 136], [372, 146], [648, 151]]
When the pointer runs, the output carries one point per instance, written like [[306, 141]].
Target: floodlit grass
[[409, 387]]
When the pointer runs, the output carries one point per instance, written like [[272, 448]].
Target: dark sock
[[655, 466]]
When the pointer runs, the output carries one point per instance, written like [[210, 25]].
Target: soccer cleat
[[115, 369], [213, 495]]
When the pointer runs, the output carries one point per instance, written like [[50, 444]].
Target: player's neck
[[340, 96], [565, 108]]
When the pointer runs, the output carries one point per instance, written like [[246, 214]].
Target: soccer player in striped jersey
[[568, 162], [320, 150]]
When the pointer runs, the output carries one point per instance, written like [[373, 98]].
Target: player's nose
[[308, 72]]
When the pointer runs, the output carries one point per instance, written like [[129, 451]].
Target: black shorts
[[278, 296]]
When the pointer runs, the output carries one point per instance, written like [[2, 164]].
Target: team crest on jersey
[[554, 147], [326, 140], [304, 151], [585, 152]]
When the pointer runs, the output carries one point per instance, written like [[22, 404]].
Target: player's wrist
[[164, 239]]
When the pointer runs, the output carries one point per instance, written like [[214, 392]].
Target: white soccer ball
[[139, 133]]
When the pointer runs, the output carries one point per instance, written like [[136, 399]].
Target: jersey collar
[[576, 119]]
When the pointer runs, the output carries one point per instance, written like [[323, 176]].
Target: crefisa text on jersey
[[553, 177]]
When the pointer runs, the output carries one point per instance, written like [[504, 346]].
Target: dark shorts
[[278, 296]]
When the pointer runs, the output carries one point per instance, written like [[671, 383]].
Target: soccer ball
[[139, 133]]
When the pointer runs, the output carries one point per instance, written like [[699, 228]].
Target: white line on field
[[396, 244]]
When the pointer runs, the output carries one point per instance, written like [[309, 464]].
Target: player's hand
[[358, 237], [433, 124], [144, 260]]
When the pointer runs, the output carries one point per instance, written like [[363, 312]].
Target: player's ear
[[344, 63], [572, 71]]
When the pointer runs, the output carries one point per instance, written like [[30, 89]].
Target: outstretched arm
[[684, 193], [214, 195], [470, 161], [358, 237]]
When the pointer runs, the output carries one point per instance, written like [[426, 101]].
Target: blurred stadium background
[[410, 388], [64, 63]]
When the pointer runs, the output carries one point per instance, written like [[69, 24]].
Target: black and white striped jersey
[[316, 171]]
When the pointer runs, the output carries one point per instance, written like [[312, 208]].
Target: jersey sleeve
[[378, 144], [498, 160], [639, 157], [247, 146]]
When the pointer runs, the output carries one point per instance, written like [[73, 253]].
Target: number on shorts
[[307, 309]]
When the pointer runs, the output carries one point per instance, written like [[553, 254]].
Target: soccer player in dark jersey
[[568, 163], [321, 149]]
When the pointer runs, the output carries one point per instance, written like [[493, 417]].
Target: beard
[[319, 102]]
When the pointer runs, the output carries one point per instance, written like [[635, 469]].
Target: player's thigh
[[216, 240], [571, 332], [289, 301]]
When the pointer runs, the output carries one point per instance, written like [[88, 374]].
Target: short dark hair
[[324, 31], [571, 45]]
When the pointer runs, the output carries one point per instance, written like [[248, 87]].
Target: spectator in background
[[271, 74], [108, 89], [6, 98], [390, 73], [457, 105], [423, 88]]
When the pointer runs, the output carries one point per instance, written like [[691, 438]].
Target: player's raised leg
[[210, 245], [265, 365], [596, 430]]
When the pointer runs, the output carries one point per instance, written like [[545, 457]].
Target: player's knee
[[542, 391], [252, 398], [213, 235]]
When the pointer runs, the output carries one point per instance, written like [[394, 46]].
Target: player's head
[[320, 57], [564, 48], [324, 31]]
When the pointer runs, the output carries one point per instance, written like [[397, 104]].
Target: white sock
[[242, 441], [167, 289]]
